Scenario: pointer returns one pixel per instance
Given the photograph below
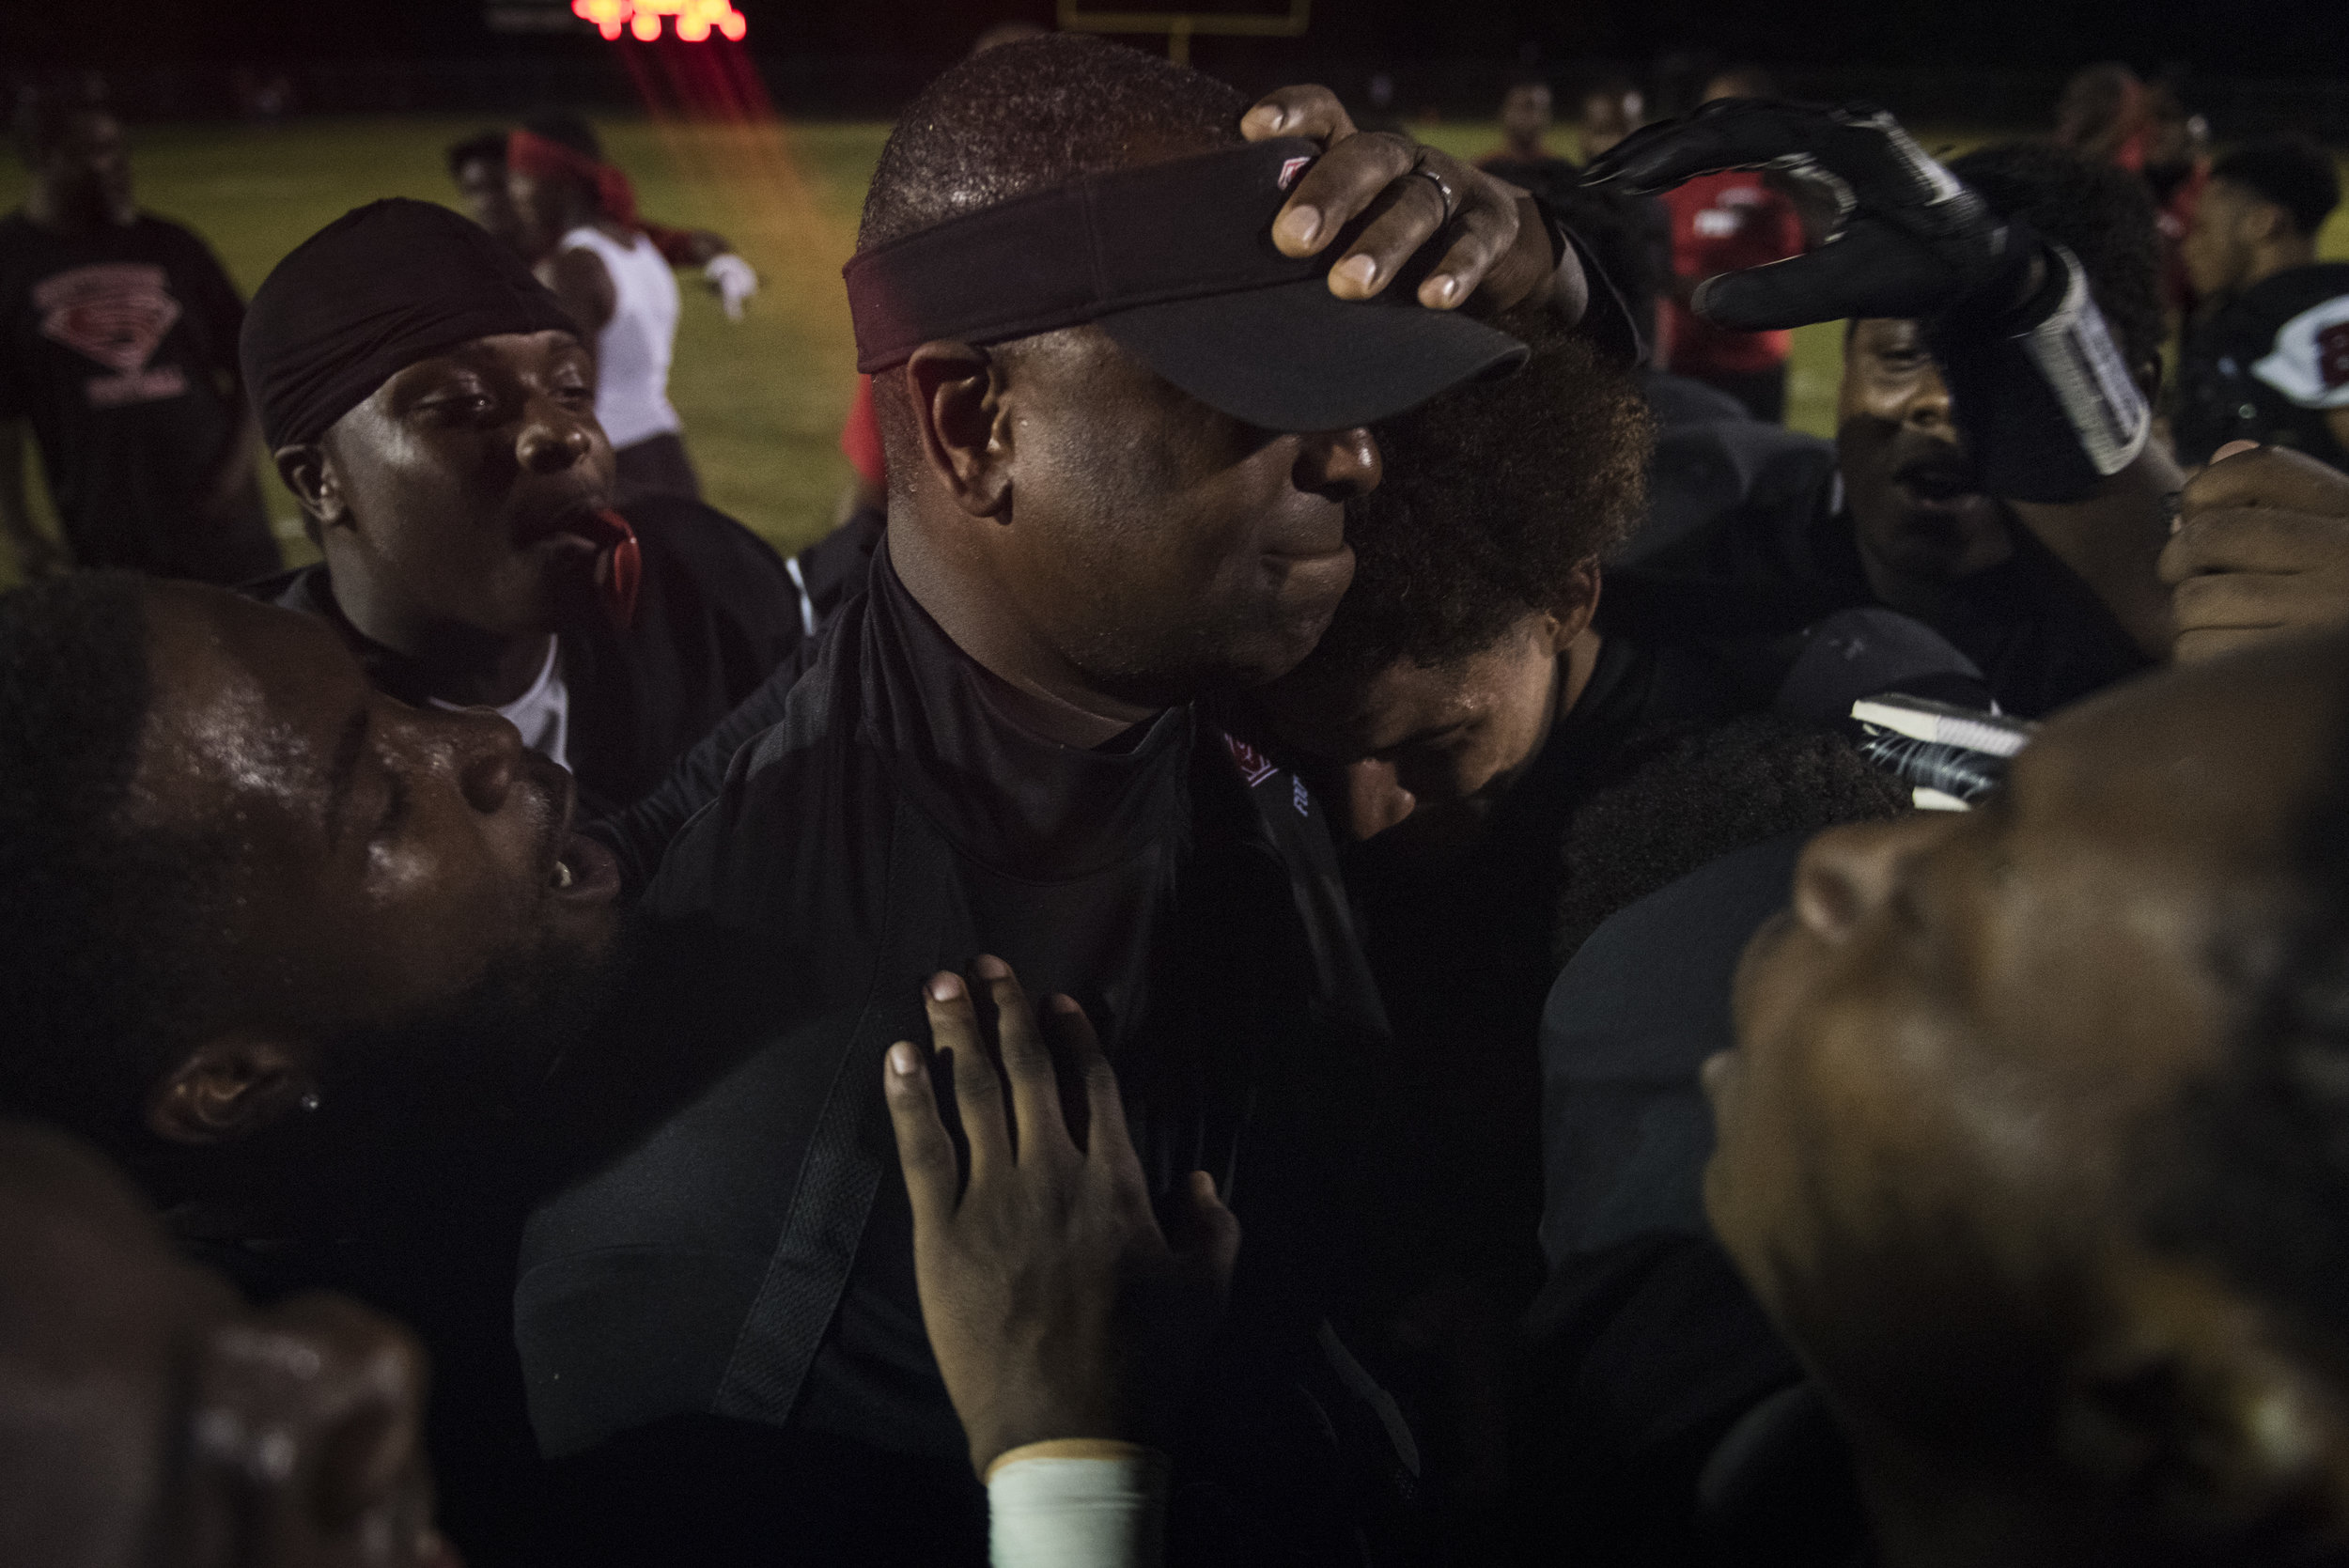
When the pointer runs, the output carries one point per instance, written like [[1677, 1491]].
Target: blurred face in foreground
[[149, 1417], [1933, 1133]]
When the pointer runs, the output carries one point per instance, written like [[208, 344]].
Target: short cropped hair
[[111, 935], [2290, 171], [1025, 116], [487, 147], [1494, 494], [1033, 115], [2101, 214]]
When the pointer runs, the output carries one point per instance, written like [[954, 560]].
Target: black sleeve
[[1660, 1418], [2047, 640], [641, 833]]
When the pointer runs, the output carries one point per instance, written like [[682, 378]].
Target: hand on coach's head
[[1055, 1305], [147, 1416], [2030, 1142], [1498, 252], [462, 493], [248, 892]]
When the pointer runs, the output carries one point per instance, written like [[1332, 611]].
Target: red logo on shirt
[[115, 313], [1290, 170], [2332, 354], [1253, 764]]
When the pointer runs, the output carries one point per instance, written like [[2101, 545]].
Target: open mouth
[[577, 869], [585, 871], [579, 526], [1938, 481]]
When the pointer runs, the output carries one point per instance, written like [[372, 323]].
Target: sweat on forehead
[[1030, 115], [370, 294]]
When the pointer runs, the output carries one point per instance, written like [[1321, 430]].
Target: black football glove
[[2038, 385]]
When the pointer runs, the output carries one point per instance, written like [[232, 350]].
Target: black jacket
[[2267, 366], [717, 611], [739, 1281]]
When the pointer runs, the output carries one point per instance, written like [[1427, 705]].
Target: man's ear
[[308, 472], [230, 1087], [2199, 1404], [1572, 618], [956, 393]]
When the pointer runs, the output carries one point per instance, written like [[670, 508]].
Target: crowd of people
[[1360, 917]]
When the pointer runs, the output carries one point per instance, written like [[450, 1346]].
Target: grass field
[[762, 399]]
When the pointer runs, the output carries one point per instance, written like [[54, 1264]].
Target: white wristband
[[1077, 1504]]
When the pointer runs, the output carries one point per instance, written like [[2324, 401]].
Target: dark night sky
[[2283, 37]]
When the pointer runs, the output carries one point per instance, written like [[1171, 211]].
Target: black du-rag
[[371, 293]]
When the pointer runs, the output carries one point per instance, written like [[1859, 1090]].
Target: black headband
[[1178, 230], [370, 294]]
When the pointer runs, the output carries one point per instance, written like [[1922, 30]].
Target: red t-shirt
[[859, 436], [1725, 223]]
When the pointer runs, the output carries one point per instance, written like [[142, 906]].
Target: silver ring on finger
[[1444, 190]]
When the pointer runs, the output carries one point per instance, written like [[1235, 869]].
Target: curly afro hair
[[2101, 214], [1494, 494]]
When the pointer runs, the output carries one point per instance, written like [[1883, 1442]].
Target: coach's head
[[1122, 424], [266, 932]]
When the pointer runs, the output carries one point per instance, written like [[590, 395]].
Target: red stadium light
[[695, 18]]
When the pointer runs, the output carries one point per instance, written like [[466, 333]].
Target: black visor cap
[[1175, 262]]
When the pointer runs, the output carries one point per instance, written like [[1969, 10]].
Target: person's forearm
[[2113, 538]]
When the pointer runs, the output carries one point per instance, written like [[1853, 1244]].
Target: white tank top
[[633, 350]]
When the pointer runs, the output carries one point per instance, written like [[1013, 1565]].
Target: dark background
[[2258, 38], [2255, 63]]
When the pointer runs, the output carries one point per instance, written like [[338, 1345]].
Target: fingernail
[[1300, 225], [1446, 286], [901, 1059], [945, 985], [990, 967], [2233, 448], [1359, 269], [1059, 1003]]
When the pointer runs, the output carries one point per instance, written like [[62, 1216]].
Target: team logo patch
[[115, 313], [1290, 170], [2332, 354], [1253, 764]]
